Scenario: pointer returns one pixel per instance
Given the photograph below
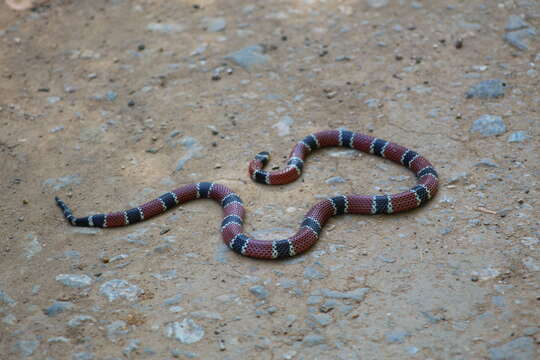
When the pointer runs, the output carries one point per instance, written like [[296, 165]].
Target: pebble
[[132, 346], [520, 38], [56, 129], [83, 356], [58, 307], [9, 319], [53, 99], [74, 281], [178, 353], [310, 273], [284, 125], [187, 331], [396, 336], [79, 319], [259, 291], [116, 329], [6, 299], [249, 57], [313, 340], [322, 319], [531, 264], [489, 125], [32, 247], [111, 95], [214, 24], [522, 348], [63, 182], [518, 136], [173, 300], [486, 163], [203, 314], [165, 28], [376, 4], [26, 347], [117, 288], [357, 295], [515, 22], [487, 89], [335, 180]]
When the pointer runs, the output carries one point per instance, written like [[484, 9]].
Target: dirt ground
[[108, 104]]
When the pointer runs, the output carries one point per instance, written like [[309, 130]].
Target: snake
[[313, 222]]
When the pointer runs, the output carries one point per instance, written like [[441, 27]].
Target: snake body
[[316, 217]]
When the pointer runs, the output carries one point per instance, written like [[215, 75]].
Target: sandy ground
[[111, 103]]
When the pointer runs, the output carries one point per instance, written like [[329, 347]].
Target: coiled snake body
[[317, 216]]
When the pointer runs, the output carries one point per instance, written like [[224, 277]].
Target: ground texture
[[111, 103]]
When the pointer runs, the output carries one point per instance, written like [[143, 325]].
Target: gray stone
[[314, 299], [396, 336], [179, 353], [487, 89], [173, 300], [26, 347], [132, 346], [489, 125], [486, 163], [6, 299], [321, 319], [74, 281], [111, 95], [287, 283], [311, 273], [56, 129], [57, 307], [498, 301], [313, 340], [187, 331], [531, 264], [522, 348], [377, 3], [83, 356], [518, 136], [357, 295], [9, 319], [116, 329], [53, 99], [335, 180], [63, 182], [194, 150], [32, 247], [117, 288], [166, 275], [165, 28], [203, 314], [214, 24], [515, 22], [520, 38], [259, 291], [249, 57], [284, 125], [79, 320]]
